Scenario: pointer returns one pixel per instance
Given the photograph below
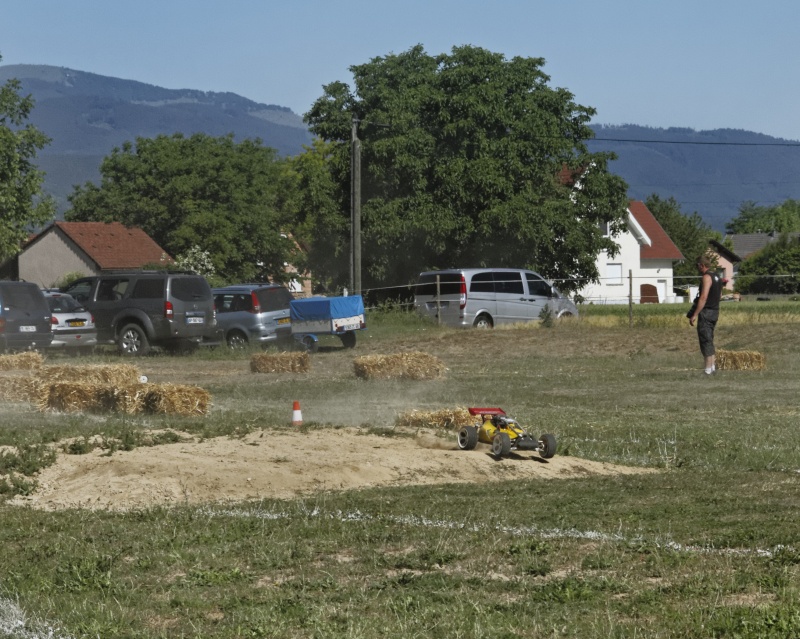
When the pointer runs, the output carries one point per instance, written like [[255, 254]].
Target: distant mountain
[[87, 115], [708, 172]]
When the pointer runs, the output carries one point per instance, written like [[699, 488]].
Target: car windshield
[[189, 289], [63, 304], [273, 299]]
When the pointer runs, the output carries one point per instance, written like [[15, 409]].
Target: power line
[[786, 144]]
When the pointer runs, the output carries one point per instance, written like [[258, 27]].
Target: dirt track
[[283, 465]]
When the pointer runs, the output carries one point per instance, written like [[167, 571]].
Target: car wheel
[[501, 445], [133, 341], [312, 345], [468, 438], [348, 339], [483, 321], [237, 340], [548, 445]]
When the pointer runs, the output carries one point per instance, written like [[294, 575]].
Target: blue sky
[[702, 64]]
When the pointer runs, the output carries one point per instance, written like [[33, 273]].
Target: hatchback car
[[73, 325], [24, 317], [253, 313]]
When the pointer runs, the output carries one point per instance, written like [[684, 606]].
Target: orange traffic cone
[[297, 416]]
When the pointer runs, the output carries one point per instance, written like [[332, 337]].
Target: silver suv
[[253, 314], [485, 297], [139, 309]]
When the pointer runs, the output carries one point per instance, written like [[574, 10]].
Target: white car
[[73, 325]]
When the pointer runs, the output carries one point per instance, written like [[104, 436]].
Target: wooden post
[[438, 301], [630, 298]]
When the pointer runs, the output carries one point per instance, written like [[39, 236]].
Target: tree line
[[467, 158]]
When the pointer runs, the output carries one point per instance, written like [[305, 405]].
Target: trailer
[[341, 316]]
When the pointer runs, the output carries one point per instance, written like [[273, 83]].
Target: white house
[[641, 269]]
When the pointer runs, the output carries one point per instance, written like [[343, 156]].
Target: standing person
[[706, 311]]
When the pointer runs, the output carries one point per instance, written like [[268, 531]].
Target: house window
[[605, 228], [614, 274]]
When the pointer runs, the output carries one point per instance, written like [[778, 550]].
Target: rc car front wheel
[[547, 444], [468, 438], [501, 445]]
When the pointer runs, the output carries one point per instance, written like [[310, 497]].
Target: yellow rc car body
[[504, 434]]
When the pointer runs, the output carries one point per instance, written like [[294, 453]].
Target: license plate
[[194, 320], [76, 323], [27, 329], [349, 327], [284, 320]]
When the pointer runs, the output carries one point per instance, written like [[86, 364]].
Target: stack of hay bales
[[741, 361], [114, 388], [414, 365], [446, 419], [280, 363]]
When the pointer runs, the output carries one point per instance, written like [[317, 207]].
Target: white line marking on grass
[[531, 531]]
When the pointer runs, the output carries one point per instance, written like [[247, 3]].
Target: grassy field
[[708, 546]]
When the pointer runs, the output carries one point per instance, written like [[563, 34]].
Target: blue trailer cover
[[313, 309]]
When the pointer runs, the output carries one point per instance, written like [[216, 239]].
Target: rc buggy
[[503, 433]]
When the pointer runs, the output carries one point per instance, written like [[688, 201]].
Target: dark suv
[[25, 318], [139, 309]]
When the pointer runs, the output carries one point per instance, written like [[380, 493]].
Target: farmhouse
[[642, 269], [89, 248]]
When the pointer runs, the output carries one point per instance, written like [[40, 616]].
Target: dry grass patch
[[740, 361], [446, 418], [21, 361], [280, 363], [413, 365]]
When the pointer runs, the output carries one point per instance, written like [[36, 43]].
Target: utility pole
[[355, 210]]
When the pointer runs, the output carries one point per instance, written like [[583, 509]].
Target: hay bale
[[176, 399], [69, 397], [27, 361], [741, 361], [280, 363], [128, 400], [20, 389], [115, 374], [414, 365], [446, 418]]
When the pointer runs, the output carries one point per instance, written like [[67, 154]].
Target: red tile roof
[[112, 245], [662, 248]]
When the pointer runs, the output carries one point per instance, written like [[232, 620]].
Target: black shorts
[[706, 322]]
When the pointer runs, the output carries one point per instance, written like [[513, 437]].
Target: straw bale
[[446, 418], [116, 374], [280, 363], [20, 389], [128, 399], [26, 361], [69, 397], [414, 365], [177, 399], [740, 361]]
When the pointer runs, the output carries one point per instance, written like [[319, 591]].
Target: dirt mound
[[281, 465]]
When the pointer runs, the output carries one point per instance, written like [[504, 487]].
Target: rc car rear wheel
[[468, 438], [548, 445], [501, 445]]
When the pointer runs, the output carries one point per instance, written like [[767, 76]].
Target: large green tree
[[22, 206], [774, 269], [464, 159], [200, 192], [689, 232], [752, 218]]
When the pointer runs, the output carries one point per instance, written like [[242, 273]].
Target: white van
[[486, 297]]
